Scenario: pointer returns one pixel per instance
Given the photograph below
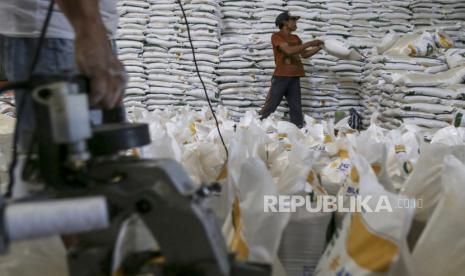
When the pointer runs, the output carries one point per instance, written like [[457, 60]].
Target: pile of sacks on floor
[[273, 157], [424, 180], [415, 79]]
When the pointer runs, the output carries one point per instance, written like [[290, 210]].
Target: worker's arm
[[311, 52], [292, 50], [94, 55]]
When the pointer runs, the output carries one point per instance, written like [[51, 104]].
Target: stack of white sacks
[[243, 74], [235, 69], [265, 26], [204, 19], [234, 52], [130, 43], [412, 81], [318, 88], [170, 63], [247, 61], [424, 16], [371, 21], [165, 88], [280, 159], [331, 83], [445, 14]]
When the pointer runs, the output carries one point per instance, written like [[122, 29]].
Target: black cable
[[20, 106], [203, 85], [43, 32]]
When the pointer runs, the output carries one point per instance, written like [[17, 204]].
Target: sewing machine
[[80, 164]]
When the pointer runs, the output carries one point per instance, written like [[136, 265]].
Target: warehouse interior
[[188, 177]]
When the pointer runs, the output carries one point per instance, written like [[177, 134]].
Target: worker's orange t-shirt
[[288, 66]]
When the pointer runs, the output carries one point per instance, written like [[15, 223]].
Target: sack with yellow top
[[304, 238], [334, 174], [250, 232], [424, 184], [373, 241], [425, 181], [293, 177], [413, 45], [203, 161], [162, 145], [402, 156], [375, 153], [420, 45], [442, 40]]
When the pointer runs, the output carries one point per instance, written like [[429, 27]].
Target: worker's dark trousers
[[280, 87]]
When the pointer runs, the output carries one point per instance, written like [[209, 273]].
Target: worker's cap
[[284, 16]]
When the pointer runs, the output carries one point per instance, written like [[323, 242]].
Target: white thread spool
[[33, 220]]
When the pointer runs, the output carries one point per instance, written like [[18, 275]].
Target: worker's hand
[[96, 60], [317, 43]]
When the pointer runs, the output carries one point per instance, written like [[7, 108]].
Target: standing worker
[[287, 49]]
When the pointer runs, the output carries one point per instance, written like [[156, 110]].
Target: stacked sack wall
[[233, 49]]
